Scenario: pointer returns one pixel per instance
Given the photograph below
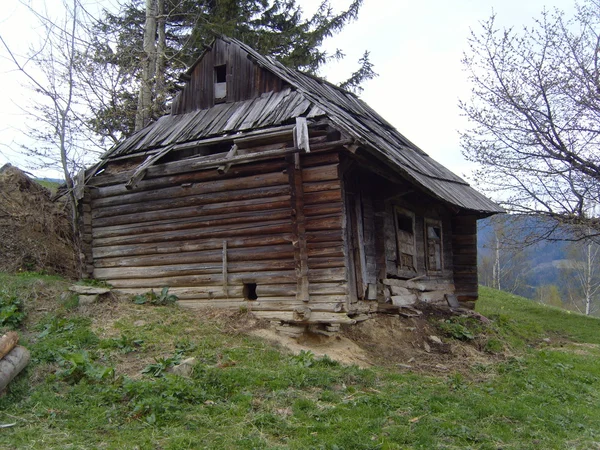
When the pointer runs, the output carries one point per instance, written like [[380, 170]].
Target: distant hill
[[528, 265]]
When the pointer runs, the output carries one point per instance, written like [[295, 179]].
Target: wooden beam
[[224, 168], [141, 170], [299, 229]]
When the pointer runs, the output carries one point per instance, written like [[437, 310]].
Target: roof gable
[[223, 74]]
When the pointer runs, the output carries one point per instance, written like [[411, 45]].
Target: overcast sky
[[416, 48]]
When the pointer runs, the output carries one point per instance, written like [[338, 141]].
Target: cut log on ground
[[8, 342], [12, 364]]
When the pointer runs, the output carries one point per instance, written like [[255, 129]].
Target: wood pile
[[13, 358]]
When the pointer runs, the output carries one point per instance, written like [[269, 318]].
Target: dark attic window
[[220, 83]]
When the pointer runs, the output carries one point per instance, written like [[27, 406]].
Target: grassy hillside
[[98, 379]]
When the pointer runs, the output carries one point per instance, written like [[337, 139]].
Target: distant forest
[[560, 273]]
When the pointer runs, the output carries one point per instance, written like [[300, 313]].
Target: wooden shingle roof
[[311, 97]]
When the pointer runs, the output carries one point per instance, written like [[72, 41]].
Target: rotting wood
[[141, 170], [230, 154], [8, 342], [12, 364], [301, 138]]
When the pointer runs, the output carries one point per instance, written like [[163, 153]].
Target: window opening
[[249, 291], [433, 245], [220, 82], [405, 237]]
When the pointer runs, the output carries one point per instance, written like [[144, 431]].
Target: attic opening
[[249, 291], [220, 83]]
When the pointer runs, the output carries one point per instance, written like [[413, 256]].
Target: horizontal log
[[324, 236], [275, 277], [197, 223], [326, 262], [320, 173], [319, 158], [319, 186], [254, 267], [233, 255], [214, 209], [323, 223], [320, 209], [106, 186], [225, 232], [340, 288], [335, 250], [185, 190], [190, 246], [312, 198], [327, 275], [194, 200]]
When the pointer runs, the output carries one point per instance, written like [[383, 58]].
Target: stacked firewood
[[13, 358]]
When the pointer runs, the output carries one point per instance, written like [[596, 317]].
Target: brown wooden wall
[[245, 80], [464, 242], [204, 235]]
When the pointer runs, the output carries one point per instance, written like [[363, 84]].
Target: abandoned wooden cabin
[[275, 190]]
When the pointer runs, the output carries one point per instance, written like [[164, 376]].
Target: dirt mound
[[414, 344], [35, 232]]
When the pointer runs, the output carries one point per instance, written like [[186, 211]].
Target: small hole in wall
[[249, 291]]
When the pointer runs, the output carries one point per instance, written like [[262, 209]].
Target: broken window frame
[[434, 263], [405, 240]]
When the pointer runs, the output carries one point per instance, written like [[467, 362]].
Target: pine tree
[[167, 36]]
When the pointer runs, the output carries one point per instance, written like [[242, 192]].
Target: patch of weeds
[[77, 366], [161, 365], [124, 343], [304, 358], [59, 335], [11, 310], [152, 298], [185, 346], [461, 328]]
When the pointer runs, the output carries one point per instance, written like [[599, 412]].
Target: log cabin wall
[[375, 244], [255, 236], [243, 79], [464, 240]]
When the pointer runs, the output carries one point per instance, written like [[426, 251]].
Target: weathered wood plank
[[231, 231], [194, 200], [189, 246]]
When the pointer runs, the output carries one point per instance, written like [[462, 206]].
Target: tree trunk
[[144, 108], [12, 364]]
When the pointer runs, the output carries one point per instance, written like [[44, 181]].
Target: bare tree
[[534, 114], [583, 277], [60, 122]]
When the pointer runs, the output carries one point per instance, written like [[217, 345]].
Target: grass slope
[[85, 388]]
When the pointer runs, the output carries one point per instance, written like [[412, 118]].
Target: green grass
[[245, 393]]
